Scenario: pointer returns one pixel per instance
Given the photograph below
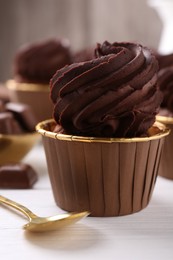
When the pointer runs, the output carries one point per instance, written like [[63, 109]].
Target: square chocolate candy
[[17, 176]]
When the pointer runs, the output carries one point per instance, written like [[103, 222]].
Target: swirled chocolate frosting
[[37, 62], [165, 82], [113, 95]]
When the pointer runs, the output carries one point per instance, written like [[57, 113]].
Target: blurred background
[[83, 22]]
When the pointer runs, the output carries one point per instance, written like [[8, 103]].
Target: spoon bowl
[[41, 224]]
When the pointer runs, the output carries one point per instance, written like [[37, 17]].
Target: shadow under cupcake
[[103, 147]]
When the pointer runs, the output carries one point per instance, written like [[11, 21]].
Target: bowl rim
[[32, 87], [164, 131], [14, 136], [165, 119]]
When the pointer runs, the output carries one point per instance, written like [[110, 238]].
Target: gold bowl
[[13, 148], [34, 95]]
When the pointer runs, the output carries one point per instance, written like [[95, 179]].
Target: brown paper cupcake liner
[[34, 95], [166, 165], [108, 177]]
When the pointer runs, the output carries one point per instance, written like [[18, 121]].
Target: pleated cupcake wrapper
[[107, 179], [35, 95], [166, 165]]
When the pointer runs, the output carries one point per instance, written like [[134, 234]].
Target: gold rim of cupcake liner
[[165, 119], [13, 85], [153, 131]]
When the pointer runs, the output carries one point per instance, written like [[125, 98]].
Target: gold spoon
[[40, 224]]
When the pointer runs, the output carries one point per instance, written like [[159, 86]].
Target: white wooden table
[[145, 235]]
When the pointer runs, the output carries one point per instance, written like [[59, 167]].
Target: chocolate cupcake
[[37, 63], [103, 147], [165, 81], [33, 67]]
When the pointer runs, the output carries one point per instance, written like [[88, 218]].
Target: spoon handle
[[17, 206]]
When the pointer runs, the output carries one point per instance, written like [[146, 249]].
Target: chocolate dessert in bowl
[[103, 146], [34, 65], [17, 132], [165, 82]]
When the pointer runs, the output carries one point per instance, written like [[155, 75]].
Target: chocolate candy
[[16, 118], [4, 93], [23, 115], [8, 125], [2, 107], [17, 176]]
